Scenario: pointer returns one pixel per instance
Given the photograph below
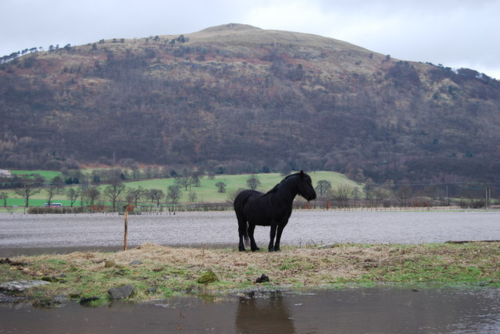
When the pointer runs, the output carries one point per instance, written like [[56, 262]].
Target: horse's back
[[242, 199]]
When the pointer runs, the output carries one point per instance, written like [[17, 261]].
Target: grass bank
[[159, 272]]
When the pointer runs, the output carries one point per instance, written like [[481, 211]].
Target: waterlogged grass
[[159, 272]]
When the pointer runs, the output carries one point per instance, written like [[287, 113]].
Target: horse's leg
[[281, 227], [271, 247], [242, 231], [241, 245], [253, 244]]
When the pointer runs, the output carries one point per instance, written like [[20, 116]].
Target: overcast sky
[[455, 33]]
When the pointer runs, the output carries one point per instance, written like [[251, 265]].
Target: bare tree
[[135, 194], [174, 194], [192, 196], [156, 195], [221, 186], [183, 181], [113, 190], [51, 189], [403, 195], [232, 195], [323, 186], [90, 195], [27, 190], [253, 182], [3, 197], [356, 196], [73, 195], [342, 194]]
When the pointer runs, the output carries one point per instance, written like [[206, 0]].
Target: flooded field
[[370, 310], [45, 233], [373, 310]]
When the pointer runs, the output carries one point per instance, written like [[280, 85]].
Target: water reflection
[[263, 313], [374, 310]]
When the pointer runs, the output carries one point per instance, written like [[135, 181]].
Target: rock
[[87, 301], [54, 279], [263, 278], [121, 292], [135, 263], [241, 264], [46, 303], [208, 277], [12, 263], [152, 290], [109, 264], [20, 286]]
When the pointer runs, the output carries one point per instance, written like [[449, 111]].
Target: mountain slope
[[239, 98]]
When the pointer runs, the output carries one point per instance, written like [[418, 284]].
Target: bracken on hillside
[[240, 99]]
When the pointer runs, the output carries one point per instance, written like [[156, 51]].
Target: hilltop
[[240, 99]]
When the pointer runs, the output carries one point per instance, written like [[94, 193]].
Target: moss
[[208, 277]]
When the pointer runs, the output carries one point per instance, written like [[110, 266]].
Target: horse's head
[[305, 186]]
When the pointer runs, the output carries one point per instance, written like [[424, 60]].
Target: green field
[[206, 193], [47, 174]]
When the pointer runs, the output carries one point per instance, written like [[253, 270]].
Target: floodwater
[[31, 234], [373, 310], [370, 310]]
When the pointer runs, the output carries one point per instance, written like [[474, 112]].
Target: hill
[[239, 99]]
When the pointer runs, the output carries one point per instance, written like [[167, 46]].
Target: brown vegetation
[[177, 270], [244, 99]]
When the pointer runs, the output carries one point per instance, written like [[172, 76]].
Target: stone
[[87, 301], [20, 286], [109, 264], [121, 292], [208, 277], [263, 278]]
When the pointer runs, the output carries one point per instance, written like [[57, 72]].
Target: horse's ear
[[301, 173]]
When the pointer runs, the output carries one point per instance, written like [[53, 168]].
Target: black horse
[[270, 209]]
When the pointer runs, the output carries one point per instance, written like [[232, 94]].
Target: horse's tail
[[239, 205], [246, 238]]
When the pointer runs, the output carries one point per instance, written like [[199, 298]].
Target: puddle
[[371, 310]]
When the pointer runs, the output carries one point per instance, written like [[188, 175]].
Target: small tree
[[183, 181], [174, 194], [156, 195], [51, 190], [90, 195], [341, 195], [192, 196], [27, 190], [196, 180], [221, 186], [113, 190], [403, 195], [3, 197], [323, 186], [72, 195], [135, 194], [253, 182], [58, 182], [232, 196]]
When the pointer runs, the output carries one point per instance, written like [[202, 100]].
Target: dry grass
[[160, 272]]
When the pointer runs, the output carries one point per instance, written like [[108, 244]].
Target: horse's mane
[[276, 187]]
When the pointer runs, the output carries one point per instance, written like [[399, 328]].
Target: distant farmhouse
[[5, 173]]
